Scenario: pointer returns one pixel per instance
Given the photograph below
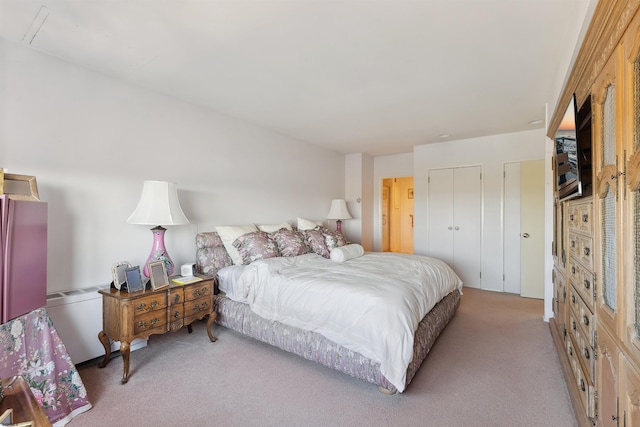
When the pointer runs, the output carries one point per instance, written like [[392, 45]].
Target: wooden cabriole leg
[[125, 351], [106, 343], [212, 318]]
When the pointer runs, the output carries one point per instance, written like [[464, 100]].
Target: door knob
[[525, 235]]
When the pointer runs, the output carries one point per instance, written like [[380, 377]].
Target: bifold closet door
[[455, 200]]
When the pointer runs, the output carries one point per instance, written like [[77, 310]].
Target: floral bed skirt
[[32, 348]]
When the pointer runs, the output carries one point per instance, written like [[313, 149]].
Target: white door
[[524, 228], [455, 214], [511, 273], [532, 229], [441, 215]]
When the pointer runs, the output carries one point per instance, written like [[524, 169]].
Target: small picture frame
[[19, 187], [6, 418], [410, 193], [118, 273], [133, 279], [158, 274]]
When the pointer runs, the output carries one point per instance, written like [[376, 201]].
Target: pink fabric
[[32, 348]]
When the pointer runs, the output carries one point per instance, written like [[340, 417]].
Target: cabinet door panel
[[607, 132], [607, 369], [631, 396]]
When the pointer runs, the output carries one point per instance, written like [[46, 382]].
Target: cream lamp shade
[[339, 212], [158, 205]]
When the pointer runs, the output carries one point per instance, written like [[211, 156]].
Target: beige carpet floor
[[494, 365]]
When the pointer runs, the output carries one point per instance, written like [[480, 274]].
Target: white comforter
[[371, 304]]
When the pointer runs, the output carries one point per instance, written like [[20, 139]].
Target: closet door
[[467, 253], [455, 220], [441, 215]]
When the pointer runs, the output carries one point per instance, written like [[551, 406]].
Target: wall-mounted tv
[[573, 151]]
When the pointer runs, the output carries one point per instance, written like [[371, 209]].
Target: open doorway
[[397, 215]]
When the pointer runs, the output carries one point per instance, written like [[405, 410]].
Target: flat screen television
[[573, 151]]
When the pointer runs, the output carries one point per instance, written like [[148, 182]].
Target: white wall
[[491, 153], [359, 198], [91, 140]]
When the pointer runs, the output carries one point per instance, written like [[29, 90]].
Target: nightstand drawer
[[197, 308], [155, 320], [199, 290], [149, 303]]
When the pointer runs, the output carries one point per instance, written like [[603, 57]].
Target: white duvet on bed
[[371, 304]]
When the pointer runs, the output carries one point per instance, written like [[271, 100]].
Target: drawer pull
[[573, 325], [176, 299], [176, 314], [586, 251], [587, 284], [585, 319], [143, 324], [582, 385], [142, 306], [571, 217], [198, 307], [573, 270], [585, 218], [587, 355], [570, 351], [573, 299], [573, 243]]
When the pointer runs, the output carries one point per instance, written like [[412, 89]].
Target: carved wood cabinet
[[127, 316], [597, 291]]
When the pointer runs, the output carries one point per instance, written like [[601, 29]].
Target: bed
[[376, 354]]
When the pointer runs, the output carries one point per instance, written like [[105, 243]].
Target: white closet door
[[467, 204], [441, 215], [455, 203]]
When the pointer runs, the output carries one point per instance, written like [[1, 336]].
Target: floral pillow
[[333, 239], [315, 240], [256, 245], [290, 242]]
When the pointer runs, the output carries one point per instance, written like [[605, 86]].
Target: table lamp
[[158, 205], [339, 212]]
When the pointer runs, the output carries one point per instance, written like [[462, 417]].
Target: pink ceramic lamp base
[[158, 252]]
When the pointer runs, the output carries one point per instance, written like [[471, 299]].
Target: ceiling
[[370, 76]]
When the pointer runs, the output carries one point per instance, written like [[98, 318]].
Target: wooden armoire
[[596, 324]]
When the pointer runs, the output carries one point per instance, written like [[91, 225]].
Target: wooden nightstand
[[127, 316]]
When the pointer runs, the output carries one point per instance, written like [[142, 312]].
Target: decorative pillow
[[290, 242], [305, 224], [229, 234], [333, 239], [256, 245], [345, 253], [270, 228], [315, 240]]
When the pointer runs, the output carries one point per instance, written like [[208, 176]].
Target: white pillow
[[306, 224], [229, 233], [271, 228], [346, 252]]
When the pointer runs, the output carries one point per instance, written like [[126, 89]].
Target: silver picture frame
[[118, 270]]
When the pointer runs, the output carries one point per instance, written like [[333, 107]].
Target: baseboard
[[579, 410]]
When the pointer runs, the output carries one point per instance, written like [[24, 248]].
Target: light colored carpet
[[494, 365]]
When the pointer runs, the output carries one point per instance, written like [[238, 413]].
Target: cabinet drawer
[[197, 308], [584, 385], [583, 280], [580, 217], [149, 303], [581, 247], [199, 290], [152, 321], [176, 296], [176, 317], [582, 316], [583, 348]]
